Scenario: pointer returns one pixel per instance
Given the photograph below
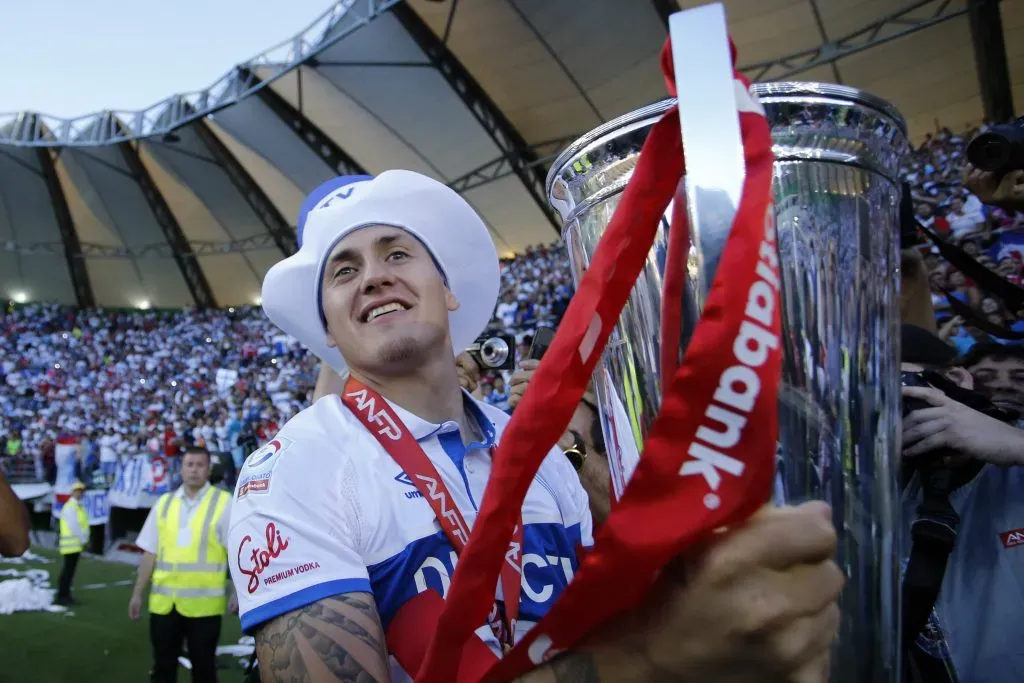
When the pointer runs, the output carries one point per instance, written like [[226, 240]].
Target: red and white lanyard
[[380, 419]]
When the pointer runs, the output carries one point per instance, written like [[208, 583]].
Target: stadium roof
[[192, 200]]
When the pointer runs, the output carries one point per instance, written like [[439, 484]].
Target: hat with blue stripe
[[333, 190], [452, 232]]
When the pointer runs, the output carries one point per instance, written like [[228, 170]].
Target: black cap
[[924, 348]]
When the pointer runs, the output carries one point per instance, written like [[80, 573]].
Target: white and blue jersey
[[323, 510]]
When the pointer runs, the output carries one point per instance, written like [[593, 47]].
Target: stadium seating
[[131, 382]]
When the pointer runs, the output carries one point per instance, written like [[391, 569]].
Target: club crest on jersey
[[268, 453], [259, 467]]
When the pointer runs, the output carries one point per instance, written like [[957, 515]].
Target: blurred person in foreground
[[14, 521], [184, 540], [333, 550], [963, 521], [74, 535]]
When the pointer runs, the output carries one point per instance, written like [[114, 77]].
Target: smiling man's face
[[385, 301]]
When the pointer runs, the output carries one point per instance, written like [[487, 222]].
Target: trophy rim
[[763, 91], [771, 89]]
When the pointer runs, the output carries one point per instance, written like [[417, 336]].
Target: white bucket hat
[[436, 215]]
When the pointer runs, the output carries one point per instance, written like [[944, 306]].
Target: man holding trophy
[[332, 548], [350, 523]]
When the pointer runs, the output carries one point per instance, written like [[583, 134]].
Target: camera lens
[[494, 352], [989, 152]]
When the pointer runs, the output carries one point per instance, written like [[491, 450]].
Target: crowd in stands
[[131, 382], [994, 236]]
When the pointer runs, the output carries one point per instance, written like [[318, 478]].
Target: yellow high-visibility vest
[[69, 541], [191, 564]]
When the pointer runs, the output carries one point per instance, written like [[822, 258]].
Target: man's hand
[[233, 604], [758, 606], [135, 607], [519, 380], [952, 425], [517, 384], [1006, 192], [469, 372]]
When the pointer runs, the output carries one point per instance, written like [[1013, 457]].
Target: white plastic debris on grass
[[28, 556], [29, 592]]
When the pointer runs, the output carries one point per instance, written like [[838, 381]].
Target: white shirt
[[149, 539], [331, 513]]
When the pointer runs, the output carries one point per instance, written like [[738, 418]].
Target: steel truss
[[504, 166], [27, 129], [920, 15], [277, 226], [181, 252], [71, 248], [521, 158], [315, 139], [160, 250]]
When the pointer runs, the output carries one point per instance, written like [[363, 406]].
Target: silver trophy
[[837, 196]]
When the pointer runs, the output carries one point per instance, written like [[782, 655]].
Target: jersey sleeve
[[573, 497], [290, 544]]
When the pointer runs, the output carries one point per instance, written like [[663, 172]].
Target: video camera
[[1000, 149], [494, 351]]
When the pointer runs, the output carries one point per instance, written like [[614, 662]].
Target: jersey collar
[[423, 430]]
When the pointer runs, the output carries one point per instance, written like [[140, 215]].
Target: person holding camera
[[348, 524], [963, 512], [995, 173]]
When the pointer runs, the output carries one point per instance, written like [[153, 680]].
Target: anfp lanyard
[[380, 419]]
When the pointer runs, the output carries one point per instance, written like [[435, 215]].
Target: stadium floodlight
[[19, 297], [143, 305], [258, 300]]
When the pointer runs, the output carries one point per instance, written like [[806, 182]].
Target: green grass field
[[96, 641]]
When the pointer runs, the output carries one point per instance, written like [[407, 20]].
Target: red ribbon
[[670, 503]]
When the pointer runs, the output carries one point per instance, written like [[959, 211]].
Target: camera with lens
[[1000, 149], [494, 351]]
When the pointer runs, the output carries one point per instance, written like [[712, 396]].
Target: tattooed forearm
[[335, 640]]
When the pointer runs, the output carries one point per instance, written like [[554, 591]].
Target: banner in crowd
[[96, 506], [65, 455], [1008, 245], [140, 480]]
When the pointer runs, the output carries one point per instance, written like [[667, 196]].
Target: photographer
[[963, 510]]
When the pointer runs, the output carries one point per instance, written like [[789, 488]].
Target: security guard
[[184, 541], [74, 534]]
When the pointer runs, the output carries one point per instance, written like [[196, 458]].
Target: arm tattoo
[[335, 640]]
